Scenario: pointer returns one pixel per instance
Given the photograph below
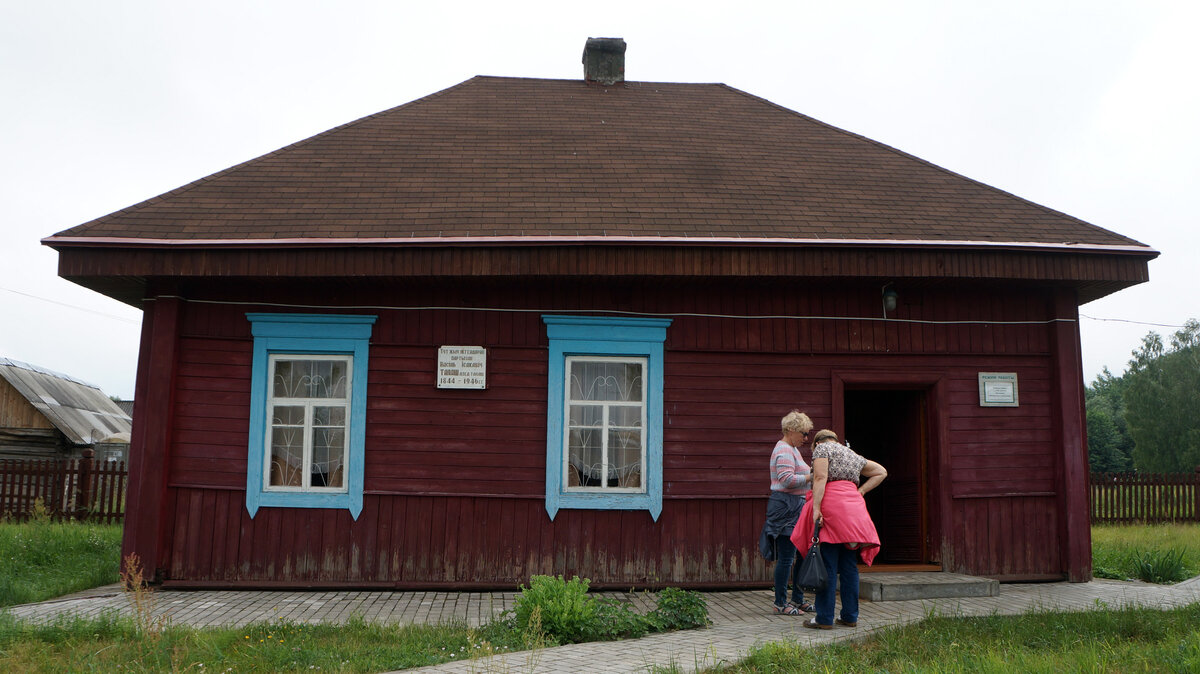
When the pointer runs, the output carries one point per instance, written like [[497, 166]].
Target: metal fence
[[66, 488], [1145, 497]]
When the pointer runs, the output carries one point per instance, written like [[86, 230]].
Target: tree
[[1110, 449], [1162, 401]]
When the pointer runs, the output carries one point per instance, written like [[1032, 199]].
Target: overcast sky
[[1090, 108]]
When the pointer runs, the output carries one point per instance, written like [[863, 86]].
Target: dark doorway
[[889, 426]]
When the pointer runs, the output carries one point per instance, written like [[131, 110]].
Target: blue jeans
[[842, 564], [785, 569]]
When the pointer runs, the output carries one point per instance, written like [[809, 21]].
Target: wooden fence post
[[83, 502], [1196, 496]]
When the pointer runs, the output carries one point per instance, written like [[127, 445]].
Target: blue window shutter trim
[[605, 336], [308, 334]]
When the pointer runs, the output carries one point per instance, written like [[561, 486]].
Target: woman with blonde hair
[[789, 483], [847, 532]]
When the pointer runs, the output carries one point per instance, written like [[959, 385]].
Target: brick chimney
[[604, 60]]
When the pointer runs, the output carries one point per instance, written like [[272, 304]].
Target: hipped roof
[[495, 159]]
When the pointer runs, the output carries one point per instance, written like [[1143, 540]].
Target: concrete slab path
[[741, 619]]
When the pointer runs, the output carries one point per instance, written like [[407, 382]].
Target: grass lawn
[[1105, 640], [1125, 551], [41, 559], [123, 644]]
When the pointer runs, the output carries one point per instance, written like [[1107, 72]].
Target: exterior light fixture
[[889, 300]]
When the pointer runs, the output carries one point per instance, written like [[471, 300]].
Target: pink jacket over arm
[[845, 520]]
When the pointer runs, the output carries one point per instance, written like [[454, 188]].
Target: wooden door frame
[[937, 420]]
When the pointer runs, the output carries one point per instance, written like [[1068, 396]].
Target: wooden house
[[529, 326], [47, 415]]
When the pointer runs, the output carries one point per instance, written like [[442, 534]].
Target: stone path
[[741, 619]]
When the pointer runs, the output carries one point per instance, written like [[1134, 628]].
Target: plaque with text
[[998, 389], [463, 367]]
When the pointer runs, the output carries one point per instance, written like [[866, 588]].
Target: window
[[308, 404], [604, 418], [307, 411]]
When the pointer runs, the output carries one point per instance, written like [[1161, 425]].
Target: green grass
[[41, 559], [1120, 551], [1104, 640], [48, 559], [121, 644]]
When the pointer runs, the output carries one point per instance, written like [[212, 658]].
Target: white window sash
[[306, 461], [605, 427]]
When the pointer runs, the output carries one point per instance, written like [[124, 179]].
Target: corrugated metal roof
[[83, 413]]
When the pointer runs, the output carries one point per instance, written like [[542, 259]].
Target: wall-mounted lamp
[[889, 300]]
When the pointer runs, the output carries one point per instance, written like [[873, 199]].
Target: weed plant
[[563, 606], [42, 559]]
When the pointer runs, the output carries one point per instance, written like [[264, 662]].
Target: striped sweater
[[789, 473]]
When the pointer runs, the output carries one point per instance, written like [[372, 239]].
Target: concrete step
[[925, 585]]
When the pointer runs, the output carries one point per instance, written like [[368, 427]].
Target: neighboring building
[[126, 407], [45, 415], [527, 326]]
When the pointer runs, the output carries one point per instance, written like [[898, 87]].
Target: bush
[[566, 611], [561, 612], [679, 610]]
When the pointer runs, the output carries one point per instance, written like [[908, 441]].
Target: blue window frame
[[604, 415], [307, 411]]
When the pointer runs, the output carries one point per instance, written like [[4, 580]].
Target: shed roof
[[495, 158], [80, 411]]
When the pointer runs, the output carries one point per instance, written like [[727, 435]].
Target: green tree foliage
[[1110, 449], [1162, 402]]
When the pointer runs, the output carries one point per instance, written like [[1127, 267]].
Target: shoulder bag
[[812, 576]]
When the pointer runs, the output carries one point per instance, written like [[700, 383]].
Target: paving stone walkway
[[741, 620]]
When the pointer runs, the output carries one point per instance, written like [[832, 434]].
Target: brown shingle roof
[[504, 157]]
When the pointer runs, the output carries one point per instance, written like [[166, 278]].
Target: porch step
[[877, 587]]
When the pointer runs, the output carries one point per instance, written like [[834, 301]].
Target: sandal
[[787, 610], [812, 622], [804, 606]]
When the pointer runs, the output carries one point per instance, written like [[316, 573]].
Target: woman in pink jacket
[[847, 532]]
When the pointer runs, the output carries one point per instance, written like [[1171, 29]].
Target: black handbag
[[812, 576]]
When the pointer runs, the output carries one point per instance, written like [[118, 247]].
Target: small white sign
[[462, 367], [998, 389]]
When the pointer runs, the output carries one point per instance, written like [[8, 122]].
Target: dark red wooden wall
[[454, 489]]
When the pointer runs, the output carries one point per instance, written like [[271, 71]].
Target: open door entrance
[[890, 426]]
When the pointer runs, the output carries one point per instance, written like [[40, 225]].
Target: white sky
[[1090, 108]]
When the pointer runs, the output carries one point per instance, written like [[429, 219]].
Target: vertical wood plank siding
[[454, 491]]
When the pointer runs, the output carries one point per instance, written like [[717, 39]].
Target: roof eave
[[480, 241]]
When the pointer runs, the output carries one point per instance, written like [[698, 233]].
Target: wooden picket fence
[[65, 488], [1145, 497]]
